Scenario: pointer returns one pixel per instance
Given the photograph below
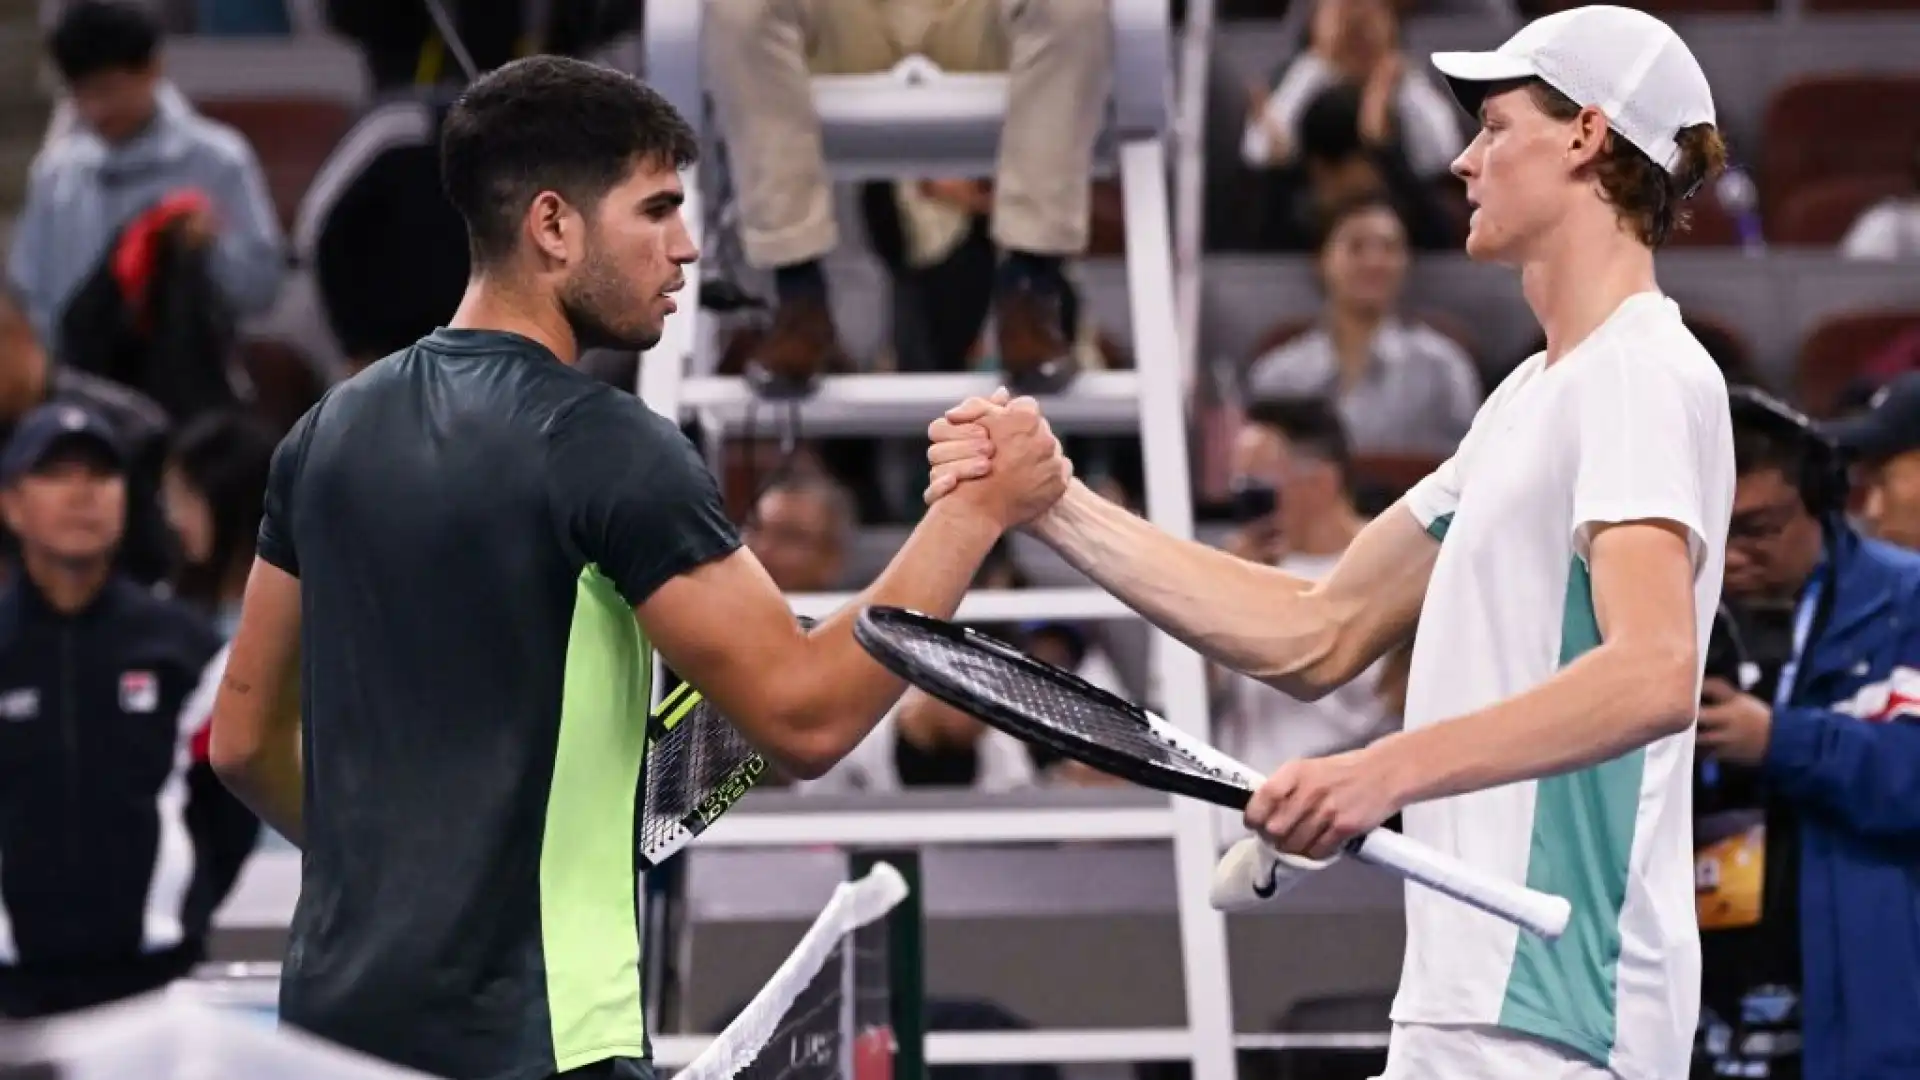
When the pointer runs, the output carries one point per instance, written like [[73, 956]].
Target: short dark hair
[[1646, 195], [225, 455], [1310, 425], [549, 123], [1759, 446], [93, 36]]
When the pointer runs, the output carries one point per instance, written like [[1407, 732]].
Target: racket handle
[[1542, 913]]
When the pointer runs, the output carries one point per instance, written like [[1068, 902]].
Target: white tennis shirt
[[1631, 424]]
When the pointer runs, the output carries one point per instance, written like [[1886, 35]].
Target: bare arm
[[1304, 638], [1638, 685], [255, 742], [805, 698]]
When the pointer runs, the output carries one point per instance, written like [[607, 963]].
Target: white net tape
[[854, 904]]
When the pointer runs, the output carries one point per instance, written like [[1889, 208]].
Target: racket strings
[[689, 763], [1072, 711]]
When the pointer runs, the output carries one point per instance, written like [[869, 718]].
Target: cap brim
[[1469, 73], [1869, 437]]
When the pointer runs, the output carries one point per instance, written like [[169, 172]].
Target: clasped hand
[[1001, 451]]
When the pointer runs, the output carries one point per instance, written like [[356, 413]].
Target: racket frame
[[1541, 913]]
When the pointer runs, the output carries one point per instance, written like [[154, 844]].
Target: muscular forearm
[[844, 691], [1611, 701], [1251, 618]]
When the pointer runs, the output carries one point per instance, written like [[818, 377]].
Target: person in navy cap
[[1884, 439], [117, 839]]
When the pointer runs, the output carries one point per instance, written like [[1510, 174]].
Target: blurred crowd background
[[216, 209]]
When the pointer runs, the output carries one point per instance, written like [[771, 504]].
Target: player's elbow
[[233, 753], [807, 756], [1660, 677]]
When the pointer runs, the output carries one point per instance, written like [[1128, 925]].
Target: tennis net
[[826, 1012]]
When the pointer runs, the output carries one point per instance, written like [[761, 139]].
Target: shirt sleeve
[[1642, 429], [632, 495], [275, 543]]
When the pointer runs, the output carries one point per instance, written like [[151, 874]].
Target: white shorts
[[1470, 1052]]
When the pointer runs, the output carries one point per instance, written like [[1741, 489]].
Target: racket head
[[1037, 702]]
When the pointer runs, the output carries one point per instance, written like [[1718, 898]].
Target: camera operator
[[1806, 891]]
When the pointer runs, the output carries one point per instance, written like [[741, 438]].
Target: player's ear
[[1587, 136], [555, 227]]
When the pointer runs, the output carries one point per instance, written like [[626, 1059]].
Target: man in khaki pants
[[1058, 55]]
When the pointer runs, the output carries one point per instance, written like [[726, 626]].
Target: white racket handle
[[1542, 913]]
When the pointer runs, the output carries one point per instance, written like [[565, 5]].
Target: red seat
[[1831, 357], [1825, 127], [292, 137], [1821, 212]]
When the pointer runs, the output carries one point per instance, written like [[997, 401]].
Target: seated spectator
[[1298, 452], [140, 161], [1400, 385], [213, 489], [29, 379], [1889, 229], [1058, 58], [94, 671], [1357, 43], [800, 531], [1885, 439]]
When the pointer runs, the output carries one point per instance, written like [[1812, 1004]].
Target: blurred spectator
[[29, 379], [142, 180], [800, 531], [1340, 161], [1889, 229], [1885, 440], [213, 488], [1357, 43], [94, 755], [1807, 893], [1400, 385], [1298, 452], [1058, 56], [379, 195], [1351, 115]]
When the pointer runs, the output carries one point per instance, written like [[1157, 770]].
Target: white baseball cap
[[1626, 63]]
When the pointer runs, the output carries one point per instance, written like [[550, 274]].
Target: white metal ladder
[[916, 120]]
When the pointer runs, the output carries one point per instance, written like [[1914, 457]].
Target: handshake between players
[[1309, 807]]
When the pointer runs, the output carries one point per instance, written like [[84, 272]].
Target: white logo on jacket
[[1897, 697]]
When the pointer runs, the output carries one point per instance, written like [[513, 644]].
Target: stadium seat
[[1821, 127], [285, 382], [1830, 7], [1821, 211], [1708, 225], [291, 136], [1832, 355]]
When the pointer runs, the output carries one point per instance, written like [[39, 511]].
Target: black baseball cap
[[50, 427], [1888, 427]]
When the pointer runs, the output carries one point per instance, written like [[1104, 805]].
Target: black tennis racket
[[698, 767], [1039, 703]]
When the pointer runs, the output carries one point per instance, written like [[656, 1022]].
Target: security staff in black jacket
[[116, 845], [29, 378]]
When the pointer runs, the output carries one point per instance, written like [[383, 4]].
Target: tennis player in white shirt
[[1562, 569]]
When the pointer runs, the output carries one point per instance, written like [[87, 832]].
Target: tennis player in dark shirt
[[440, 679]]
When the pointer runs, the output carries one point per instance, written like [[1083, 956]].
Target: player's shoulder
[[1650, 350]]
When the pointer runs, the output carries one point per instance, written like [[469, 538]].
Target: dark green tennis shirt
[[472, 522]]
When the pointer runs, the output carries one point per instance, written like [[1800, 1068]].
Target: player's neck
[[494, 303], [1584, 271]]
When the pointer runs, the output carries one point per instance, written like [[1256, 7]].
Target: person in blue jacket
[[1838, 745]]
